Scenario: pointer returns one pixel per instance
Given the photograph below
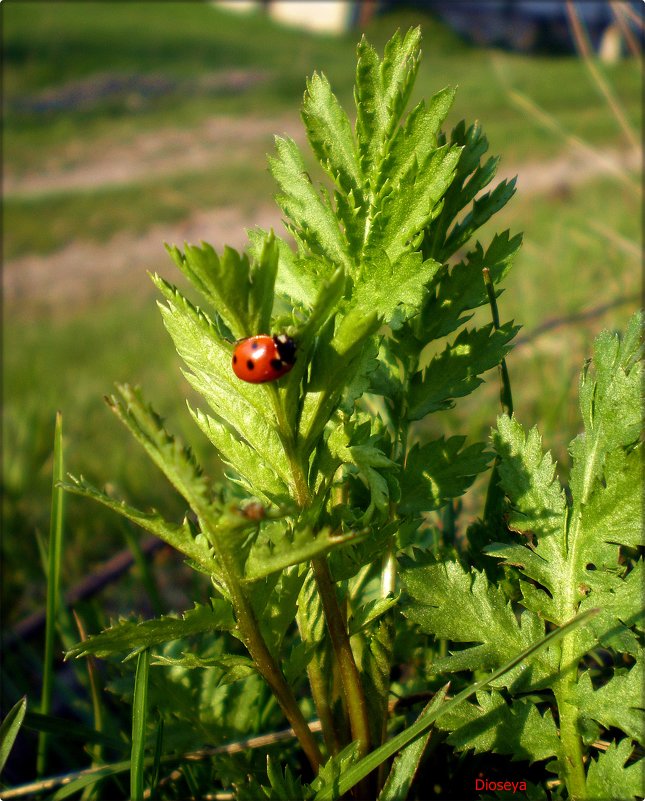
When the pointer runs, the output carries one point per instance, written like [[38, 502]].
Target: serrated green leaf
[[574, 550], [528, 476], [471, 177], [240, 290], [517, 729], [455, 372], [326, 782], [242, 406], [613, 514], [478, 612], [185, 538], [332, 368], [370, 461], [277, 609], [133, 637], [292, 279], [419, 134], [394, 290], [365, 615], [461, 288], [440, 470], [280, 545], [284, 787], [329, 294], [330, 134], [617, 702], [484, 208], [234, 667], [311, 217], [256, 476], [180, 468], [412, 203], [610, 399], [311, 620], [382, 91], [610, 777]]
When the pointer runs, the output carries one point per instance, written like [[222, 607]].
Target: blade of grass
[[53, 579], [549, 122], [584, 48], [139, 717], [10, 728], [369, 763], [64, 728], [97, 706], [625, 30], [407, 761]]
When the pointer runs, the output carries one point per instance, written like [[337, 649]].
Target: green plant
[[332, 480]]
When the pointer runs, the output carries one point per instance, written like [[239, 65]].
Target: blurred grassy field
[[188, 64]]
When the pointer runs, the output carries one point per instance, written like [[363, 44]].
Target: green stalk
[[139, 720], [97, 709], [493, 494], [264, 661], [320, 694], [505, 395], [565, 688], [572, 761], [349, 676], [350, 679], [53, 580], [389, 565]]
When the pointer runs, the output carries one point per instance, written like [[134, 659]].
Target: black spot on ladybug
[[249, 364], [276, 364], [254, 345], [234, 359]]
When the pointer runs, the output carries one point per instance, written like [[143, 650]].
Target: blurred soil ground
[[83, 270]]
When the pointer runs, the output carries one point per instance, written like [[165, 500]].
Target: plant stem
[[505, 395], [270, 671], [572, 758], [350, 679], [493, 494], [319, 690]]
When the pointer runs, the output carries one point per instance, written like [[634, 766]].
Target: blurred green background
[[130, 124]]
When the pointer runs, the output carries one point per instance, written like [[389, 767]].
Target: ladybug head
[[286, 348]]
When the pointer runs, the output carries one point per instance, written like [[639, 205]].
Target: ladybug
[[263, 358]]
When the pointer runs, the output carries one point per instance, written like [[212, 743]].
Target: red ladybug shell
[[263, 358]]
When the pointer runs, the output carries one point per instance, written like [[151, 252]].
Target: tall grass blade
[[53, 579], [408, 760], [66, 729], [357, 772], [91, 777], [139, 717], [10, 728]]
